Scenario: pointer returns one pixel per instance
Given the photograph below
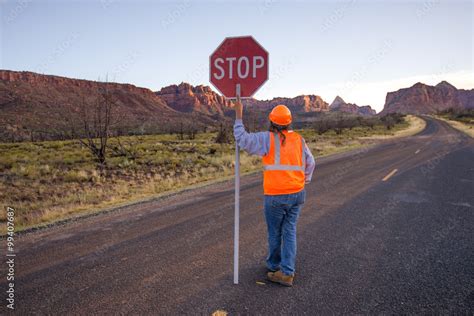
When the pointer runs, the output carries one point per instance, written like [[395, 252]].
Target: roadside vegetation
[[345, 122], [52, 180], [462, 120], [414, 126]]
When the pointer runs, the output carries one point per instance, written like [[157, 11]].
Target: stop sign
[[238, 61]]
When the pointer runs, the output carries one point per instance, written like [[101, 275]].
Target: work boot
[[281, 278]]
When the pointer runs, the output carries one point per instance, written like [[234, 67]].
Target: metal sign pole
[[237, 202]]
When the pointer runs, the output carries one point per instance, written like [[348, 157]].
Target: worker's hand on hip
[[238, 108]]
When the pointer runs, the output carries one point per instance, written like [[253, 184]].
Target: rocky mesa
[[40, 107], [425, 99], [187, 98], [340, 105], [299, 104]]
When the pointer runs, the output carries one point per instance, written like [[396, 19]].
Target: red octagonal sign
[[238, 61]]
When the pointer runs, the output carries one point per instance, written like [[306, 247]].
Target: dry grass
[[460, 126], [415, 125], [49, 181]]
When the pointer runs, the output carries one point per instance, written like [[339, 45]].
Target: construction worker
[[288, 166]]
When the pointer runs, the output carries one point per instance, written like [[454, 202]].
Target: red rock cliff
[[425, 99], [340, 105], [186, 98], [299, 104]]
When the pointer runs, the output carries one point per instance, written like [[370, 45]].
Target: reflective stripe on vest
[[277, 165]]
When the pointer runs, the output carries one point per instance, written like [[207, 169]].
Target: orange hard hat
[[280, 115]]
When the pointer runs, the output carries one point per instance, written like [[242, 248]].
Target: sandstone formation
[[36, 107], [340, 105], [299, 104], [186, 98], [425, 99]]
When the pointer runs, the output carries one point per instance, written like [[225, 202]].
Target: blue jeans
[[281, 214]]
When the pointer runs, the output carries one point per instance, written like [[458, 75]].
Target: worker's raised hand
[[238, 108]]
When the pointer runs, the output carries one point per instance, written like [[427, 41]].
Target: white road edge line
[[417, 151], [390, 174]]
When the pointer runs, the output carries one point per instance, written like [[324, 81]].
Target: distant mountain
[[187, 98], [299, 104], [35, 106], [340, 105], [425, 99], [41, 107]]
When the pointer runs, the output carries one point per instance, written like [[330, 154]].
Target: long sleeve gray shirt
[[259, 144]]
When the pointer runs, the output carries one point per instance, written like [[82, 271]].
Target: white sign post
[[237, 202]]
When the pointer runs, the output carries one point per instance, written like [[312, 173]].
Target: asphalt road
[[404, 245]]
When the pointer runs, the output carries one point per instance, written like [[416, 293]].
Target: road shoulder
[[466, 129], [416, 125]]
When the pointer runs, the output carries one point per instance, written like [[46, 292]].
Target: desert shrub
[[44, 170], [338, 126], [76, 176], [26, 171], [462, 115], [391, 119], [370, 122], [224, 136], [340, 122], [350, 122], [322, 126], [388, 122]]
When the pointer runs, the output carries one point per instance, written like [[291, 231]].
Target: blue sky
[[359, 50]]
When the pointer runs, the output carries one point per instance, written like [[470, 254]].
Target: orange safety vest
[[284, 165]]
